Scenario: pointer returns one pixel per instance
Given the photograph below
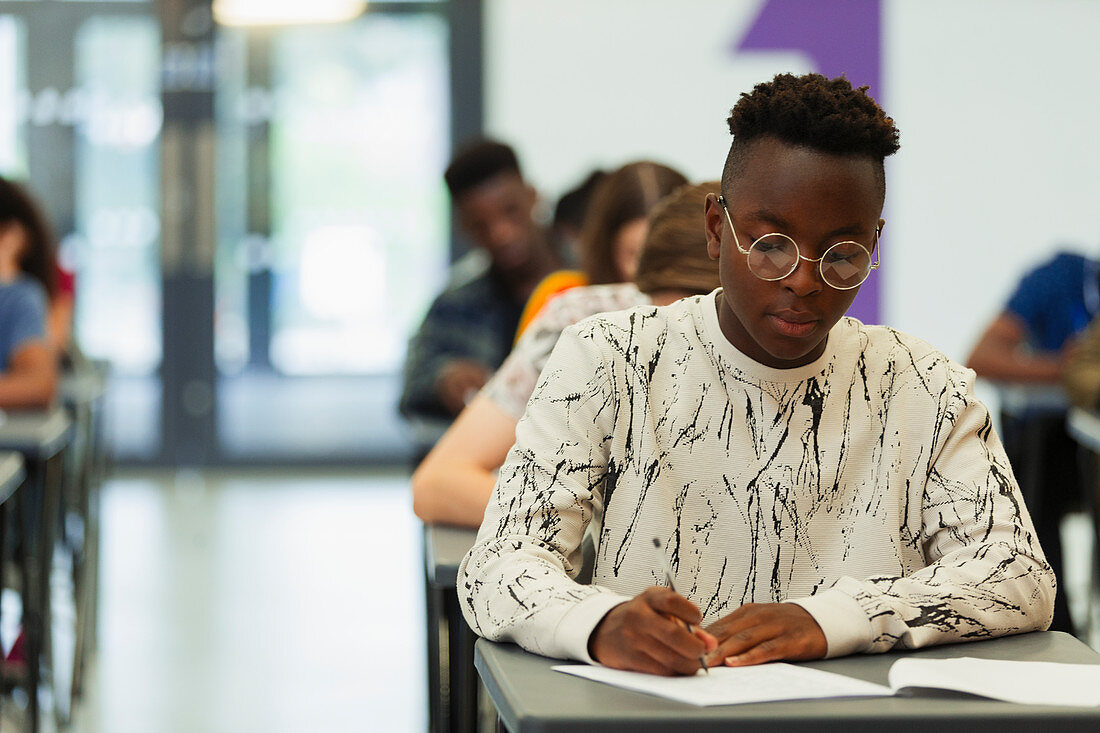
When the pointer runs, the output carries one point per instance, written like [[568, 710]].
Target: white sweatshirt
[[869, 487], [512, 384]]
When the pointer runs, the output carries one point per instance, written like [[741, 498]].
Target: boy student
[[818, 486], [470, 327]]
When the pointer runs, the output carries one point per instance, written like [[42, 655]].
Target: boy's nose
[[805, 280]]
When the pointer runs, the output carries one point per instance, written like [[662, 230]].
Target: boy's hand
[[648, 634], [766, 632]]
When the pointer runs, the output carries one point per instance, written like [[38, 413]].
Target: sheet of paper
[[1033, 683], [733, 685]]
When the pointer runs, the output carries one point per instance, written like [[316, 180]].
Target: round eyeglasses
[[774, 256]]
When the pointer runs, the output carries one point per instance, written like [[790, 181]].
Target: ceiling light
[[285, 12]]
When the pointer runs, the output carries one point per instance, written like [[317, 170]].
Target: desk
[[12, 474], [530, 698], [1084, 426], [40, 436], [452, 681]]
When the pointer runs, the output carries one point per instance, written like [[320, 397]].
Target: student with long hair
[[612, 233]]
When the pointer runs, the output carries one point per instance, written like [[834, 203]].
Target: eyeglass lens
[[843, 266]]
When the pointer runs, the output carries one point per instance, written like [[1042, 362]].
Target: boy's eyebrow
[[767, 217], [782, 226], [850, 230]]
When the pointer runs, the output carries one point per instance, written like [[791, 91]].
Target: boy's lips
[[793, 316], [793, 323]]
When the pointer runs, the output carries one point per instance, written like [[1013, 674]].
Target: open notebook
[[1035, 683]]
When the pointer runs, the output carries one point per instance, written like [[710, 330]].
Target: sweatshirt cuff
[[574, 628], [845, 625]]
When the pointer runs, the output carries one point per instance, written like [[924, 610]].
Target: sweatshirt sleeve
[[517, 582], [986, 576]]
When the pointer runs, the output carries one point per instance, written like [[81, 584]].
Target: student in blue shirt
[[28, 365]]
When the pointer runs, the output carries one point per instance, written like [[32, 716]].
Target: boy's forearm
[[942, 603], [987, 575], [517, 590]]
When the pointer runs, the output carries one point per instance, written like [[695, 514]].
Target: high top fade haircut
[[812, 111], [476, 163]]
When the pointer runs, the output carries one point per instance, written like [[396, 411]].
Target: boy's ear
[[713, 220], [881, 224]]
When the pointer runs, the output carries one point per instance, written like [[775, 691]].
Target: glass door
[[320, 151], [80, 119], [333, 230]]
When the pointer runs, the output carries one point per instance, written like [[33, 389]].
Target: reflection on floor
[[259, 602], [351, 418]]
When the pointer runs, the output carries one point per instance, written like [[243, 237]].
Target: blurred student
[[453, 484], [28, 360], [1030, 343], [470, 326], [612, 234], [819, 487]]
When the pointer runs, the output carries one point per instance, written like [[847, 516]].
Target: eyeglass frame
[[820, 266]]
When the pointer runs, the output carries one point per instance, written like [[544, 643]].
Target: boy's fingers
[[675, 636], [744, 639], [672, 659], [766, 651], [708, 639], [665, 601]]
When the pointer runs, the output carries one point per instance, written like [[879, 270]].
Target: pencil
[[672, 587]]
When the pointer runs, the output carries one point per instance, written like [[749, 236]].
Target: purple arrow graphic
[[840, 37]]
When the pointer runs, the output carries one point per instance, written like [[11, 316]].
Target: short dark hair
[[476, 163], [811, 111]]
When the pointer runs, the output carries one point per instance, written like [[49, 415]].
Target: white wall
[[576, 83], [998, 103]]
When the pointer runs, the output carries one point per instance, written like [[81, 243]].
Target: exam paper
[[732, 685], [1032, 683]]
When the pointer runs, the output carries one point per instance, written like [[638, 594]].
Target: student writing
[[822, 487]]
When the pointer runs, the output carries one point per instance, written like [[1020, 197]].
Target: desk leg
[[437, 696], [3, 557], [33, 527], [464, 680]]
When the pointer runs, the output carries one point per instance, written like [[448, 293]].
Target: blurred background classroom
[[248, 196]]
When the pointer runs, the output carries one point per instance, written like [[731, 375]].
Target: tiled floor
[[259, 602]]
